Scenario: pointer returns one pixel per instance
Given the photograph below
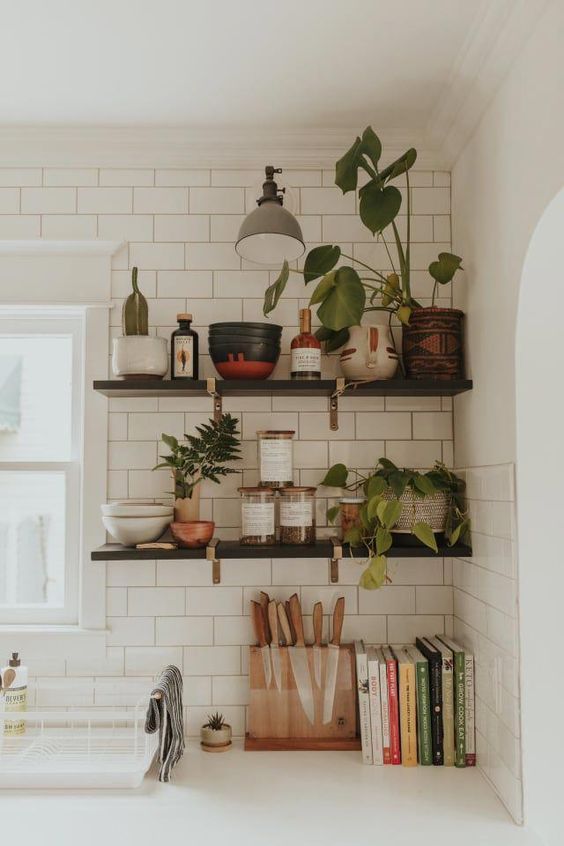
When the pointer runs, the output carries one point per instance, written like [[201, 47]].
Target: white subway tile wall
[[180, 226], [486, 620]]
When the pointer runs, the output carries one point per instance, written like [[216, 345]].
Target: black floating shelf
[[281, 387], [233, 549]]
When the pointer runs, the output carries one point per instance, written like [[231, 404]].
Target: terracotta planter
[[369, 354], [215, 740], [187, 510], [432, 344], [193, 534]]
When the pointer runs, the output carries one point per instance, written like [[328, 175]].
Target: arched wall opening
[[540, 516]]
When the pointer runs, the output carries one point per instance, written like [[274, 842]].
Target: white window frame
[[76, 276]]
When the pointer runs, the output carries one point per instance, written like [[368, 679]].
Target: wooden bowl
[[194, 534]]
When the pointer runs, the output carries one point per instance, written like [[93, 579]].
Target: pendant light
[[270, 233]]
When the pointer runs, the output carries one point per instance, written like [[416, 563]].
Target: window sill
[[48, 641]]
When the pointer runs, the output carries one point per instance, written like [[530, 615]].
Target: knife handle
[[317, 623], [258, 622], [289, 616], [338, 617], [285, 625], [296, 618], [273, 623], [264, 600]]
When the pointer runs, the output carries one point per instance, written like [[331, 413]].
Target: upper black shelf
[[281, 387]]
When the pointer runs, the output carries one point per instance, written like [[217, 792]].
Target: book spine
[[424, 734], [469, 708], [364, 706], [387, 754], [392, 677], [408, 715], [448, 712], [375, 712], [460, 709]]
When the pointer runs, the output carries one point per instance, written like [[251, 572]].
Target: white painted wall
[[502, 183]]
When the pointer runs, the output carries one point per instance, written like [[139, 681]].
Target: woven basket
[[432, 510]]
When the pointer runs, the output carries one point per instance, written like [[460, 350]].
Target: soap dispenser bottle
[[14, 693]]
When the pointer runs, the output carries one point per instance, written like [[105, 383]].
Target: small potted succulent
[[199, 457], [215, 735], [400, 500], [136, 354]]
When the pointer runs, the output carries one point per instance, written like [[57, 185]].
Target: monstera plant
[[345, 293]]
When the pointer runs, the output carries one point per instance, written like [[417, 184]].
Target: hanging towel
[[165, 715]]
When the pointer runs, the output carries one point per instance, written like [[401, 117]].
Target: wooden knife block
[[276, 719]]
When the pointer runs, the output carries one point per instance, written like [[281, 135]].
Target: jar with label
[[297, 515], [257, 516], [184, 350], [275, 459], [305, 350], [350, 513]]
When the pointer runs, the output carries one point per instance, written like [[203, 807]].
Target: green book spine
[[460, 709], [424, 714]]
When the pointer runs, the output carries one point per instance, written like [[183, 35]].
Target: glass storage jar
[[258, 526], [297, 515], [275, 458], [350, 513]]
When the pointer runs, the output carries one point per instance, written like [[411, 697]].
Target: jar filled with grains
[[297, 515], [275, 458], [257, 516]]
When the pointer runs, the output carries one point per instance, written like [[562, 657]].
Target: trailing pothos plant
[[380, 513], [344, 294]]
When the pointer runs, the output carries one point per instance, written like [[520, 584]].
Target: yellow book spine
[[408, 715]]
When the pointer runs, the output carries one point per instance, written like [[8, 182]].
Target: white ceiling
[[277, 65]]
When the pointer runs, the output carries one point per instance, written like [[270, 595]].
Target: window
[[41, 368]]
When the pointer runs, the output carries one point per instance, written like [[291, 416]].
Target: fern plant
[[200, 457]]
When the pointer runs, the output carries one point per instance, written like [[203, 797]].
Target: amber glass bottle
[[184, 350], [306, 350]]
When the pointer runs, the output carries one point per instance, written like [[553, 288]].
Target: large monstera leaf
[[320, 261], [379, 206], [343, 297]]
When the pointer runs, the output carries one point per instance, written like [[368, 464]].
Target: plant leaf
[[383, 540], [336, 477], [372, 506], [379, 206], [425, 534], [371, 145], [444, 269], [323, 287], [170, 441], [392, 513], [320, 261], [353, 536], [376, 485], [398, 482], [346, 169], [333, 513], [333, 340], [424, 484], [275, 291], [375, 574], [404, 313], [344, 304]]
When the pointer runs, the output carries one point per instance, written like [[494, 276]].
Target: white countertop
[[271, 798]]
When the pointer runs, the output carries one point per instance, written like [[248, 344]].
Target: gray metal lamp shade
[[270, 234]]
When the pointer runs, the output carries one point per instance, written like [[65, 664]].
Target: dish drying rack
[[97, 740]]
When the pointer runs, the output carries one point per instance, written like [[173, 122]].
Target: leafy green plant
[[135, 312], [343, 294], [380, 513], [203, 456], [215, 722]]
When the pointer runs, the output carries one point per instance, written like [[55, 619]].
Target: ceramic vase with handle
[[369, 354]]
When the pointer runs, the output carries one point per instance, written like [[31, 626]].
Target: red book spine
[[392, 674]]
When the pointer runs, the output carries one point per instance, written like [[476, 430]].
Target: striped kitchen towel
[[165, 715]]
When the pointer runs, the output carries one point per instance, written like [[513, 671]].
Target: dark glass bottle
[[184, 350]]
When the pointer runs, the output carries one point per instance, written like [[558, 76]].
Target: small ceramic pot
[[139, 357], [215, 740], [369, 354], [187, 510], [193, 535]]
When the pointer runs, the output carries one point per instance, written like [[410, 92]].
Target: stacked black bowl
[[244, 350]]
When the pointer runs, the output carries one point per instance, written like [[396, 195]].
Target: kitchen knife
[[264, 600], [274, 643], [317, 635], [285, 625], [333, 652], [260, 634], [299, 662]]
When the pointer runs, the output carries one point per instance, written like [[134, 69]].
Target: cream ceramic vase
[[139, 356], [369, 354], [187, 510]]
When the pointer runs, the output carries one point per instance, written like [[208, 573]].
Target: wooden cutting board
[[277, 716]]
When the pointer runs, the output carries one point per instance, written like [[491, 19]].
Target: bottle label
[[15, 699], [306, 360], [276, 460], [184, 356], [257, 518], [296, 513]]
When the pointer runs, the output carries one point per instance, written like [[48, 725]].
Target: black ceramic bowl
[[245, 352]]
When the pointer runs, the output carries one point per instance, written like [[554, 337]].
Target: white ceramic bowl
[[135, 509], [139, 355], [130, 531]]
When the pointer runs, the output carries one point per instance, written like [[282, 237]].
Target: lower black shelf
[[322, 548]]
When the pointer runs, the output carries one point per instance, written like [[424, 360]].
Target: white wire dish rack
[[96, 740]]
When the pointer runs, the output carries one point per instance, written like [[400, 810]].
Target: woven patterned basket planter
[[432, 510], [432, 344]]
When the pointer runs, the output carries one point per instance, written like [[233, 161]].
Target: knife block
[[276, 719]]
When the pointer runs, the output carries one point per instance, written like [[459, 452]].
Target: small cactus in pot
[[215, 735], [135, 313], [136, 354]]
